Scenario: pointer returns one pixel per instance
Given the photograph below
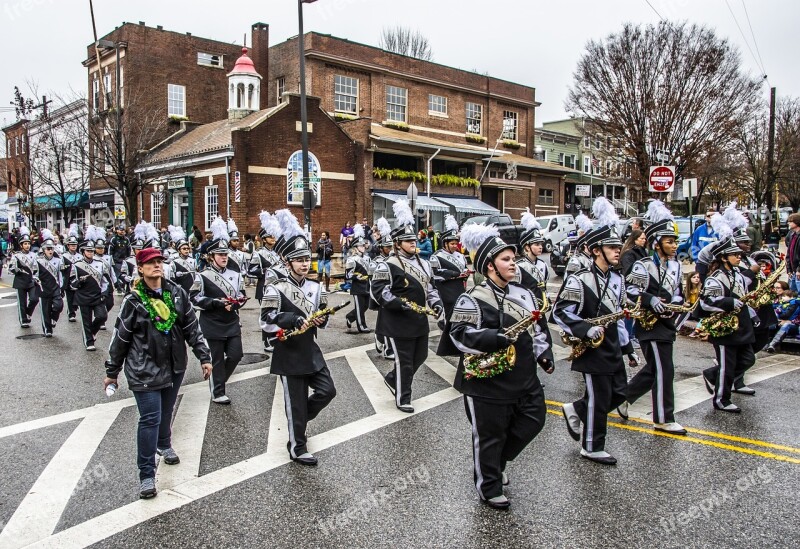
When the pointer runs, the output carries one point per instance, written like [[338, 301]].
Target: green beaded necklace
[[157, 309]]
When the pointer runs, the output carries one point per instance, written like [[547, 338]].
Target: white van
[[555, 228]]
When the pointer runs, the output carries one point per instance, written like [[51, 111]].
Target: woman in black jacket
[[633, 250], [155, 322]]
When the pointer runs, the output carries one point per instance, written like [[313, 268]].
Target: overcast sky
[[531, 42]]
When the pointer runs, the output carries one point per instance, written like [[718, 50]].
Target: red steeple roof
[[244, 65]]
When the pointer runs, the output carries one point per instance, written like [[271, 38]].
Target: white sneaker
[[221, 399], [672, 427]]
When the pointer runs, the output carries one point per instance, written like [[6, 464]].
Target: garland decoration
[[162, 313]]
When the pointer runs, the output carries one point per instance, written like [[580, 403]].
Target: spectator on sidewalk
[[793, 252], [424, 246]]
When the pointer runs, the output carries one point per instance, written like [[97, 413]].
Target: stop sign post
[[662, 179]]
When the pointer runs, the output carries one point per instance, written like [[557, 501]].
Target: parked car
[[783, 219], [555, 229], [559, 257], [509, 232], [686, 228]]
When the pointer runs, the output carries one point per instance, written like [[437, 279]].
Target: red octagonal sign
[[662, 178]]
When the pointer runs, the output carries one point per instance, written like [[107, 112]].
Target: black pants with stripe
[[358, 312], [603, 394], [734, 361], [302, 407], [409, 355], [657, 375], [92, 317], [500, 431], [225, 356], [51, 308], [72, 308], [27, 300]]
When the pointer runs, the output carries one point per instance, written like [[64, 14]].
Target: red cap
[[147, 254]]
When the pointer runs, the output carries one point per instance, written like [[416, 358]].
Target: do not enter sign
[[662, 179]]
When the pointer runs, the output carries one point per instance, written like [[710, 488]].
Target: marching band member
[[51, 284], [184, 268], [504, 403], [356, 272], [657, 280], [587, 294], [289, 305], [402, 287], [582, 258], [449, 277], [382, 345], [99, 236], [236, 258], [722, 293], [68, 258], [89, 280], [219, 296], [264, 260], [24, 267]]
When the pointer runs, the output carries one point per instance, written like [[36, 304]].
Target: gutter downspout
[[428, 186], [228, 186]]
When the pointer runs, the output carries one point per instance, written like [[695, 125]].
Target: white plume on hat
[[289, 225], [604, 212], [583, 223], [140, 231], [176, 233], [94, 233], [358, 231], [474, 234], [450, 223], [46, 234], [734, 217], [529, 221], [24, 231], [657, 211], [232, 228], [151, 233], [721, 226], [402, 213], [219, 229], [270, 224], [384, 227], [73, 230]]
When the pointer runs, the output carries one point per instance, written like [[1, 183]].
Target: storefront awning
[[57, 201], [469, 205], [423, 202]]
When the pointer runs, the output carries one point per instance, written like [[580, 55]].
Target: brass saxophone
[[725, 323], [580, 346], [419, 309], [485, 365], [283, 335], [648, 318]]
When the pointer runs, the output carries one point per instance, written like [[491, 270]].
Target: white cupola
[[244, 88]]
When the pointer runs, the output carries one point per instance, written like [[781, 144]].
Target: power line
[[749, 24], [746, 42], [654, 9]]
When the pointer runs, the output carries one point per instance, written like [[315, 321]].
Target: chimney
[[259, 53]]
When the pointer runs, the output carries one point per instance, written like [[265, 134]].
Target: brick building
[[16, 168]]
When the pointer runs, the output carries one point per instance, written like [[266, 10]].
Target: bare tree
[[24, 108], [405, 41], [669, 89], [787, 150]]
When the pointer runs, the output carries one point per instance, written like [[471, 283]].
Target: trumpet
[[283, 335], [648, 319], [580, 346], [419, 309]]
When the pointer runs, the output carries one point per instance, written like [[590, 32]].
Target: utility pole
[[770, 157]]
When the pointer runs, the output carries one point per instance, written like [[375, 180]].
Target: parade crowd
[[182, 291]]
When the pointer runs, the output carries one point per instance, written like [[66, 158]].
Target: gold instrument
[[725, 323], [648, 318], [419, 309], [283, 335], [485, 365], [580, 346]]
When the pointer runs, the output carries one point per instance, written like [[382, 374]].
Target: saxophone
[[419, 309], [486, 365], [580, 346], [283, 335], [648, 318], [725, 323]]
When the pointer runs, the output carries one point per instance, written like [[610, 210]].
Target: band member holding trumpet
[[450, 274], [289, 305], [495, 326], [587, 295], [356, 272], [402, 286], [657, 281], [219, 296]]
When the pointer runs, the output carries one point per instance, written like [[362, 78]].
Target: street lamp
[[411, 195], [118, 109], [307, 195]]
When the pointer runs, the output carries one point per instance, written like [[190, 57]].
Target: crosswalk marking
[[187, 429]]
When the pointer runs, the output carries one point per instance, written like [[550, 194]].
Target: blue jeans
[[794, 283], [324, 266], [155, 424], [785, 330]]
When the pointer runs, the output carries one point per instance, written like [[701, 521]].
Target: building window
[[280, 84], [437, 105], [107, 85], [608, 167], [510, 120], [155, 209], [121, 87], [96, 93], [474, 112], [546, 197], [396, 102], [209, 59], [587, 164], [598, 143], [608, 142], [212, 205], [345, 94], [40, 220], [587, 142], [176, 100], [294, 178]]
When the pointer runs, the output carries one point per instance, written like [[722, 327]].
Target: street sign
[[20, 218], [583, 190], [119, 212], [662, 179], [690, 186], [314, 179]]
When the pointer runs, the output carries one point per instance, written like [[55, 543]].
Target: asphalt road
[[385, 479]]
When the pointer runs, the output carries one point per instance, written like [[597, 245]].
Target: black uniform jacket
[[50, 277], [67, 260], [260, 262], [448, 270], [719, 291], [25, 269], [88, 281], [356, 271], [651, 278], [475, 324], [184, 272], [587, 294], [403, 277], [216, 286], [766, 313], [149, 356], [533, 277], [286, 304]]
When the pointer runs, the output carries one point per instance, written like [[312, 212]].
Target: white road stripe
[[371, 382], [441, 367], [37, 516], [188, 433]]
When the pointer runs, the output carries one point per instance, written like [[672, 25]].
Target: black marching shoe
[[407, 408], [730, 408], [622, 410], [306, 458], [498, 502], [601, 457], [365, 331], [72, 319], [709, 384], [390, 386], [744, 390]]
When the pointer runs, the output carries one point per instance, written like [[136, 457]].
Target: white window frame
[[206, 59], [211, 207], [345, 94], [511, 115], [587, 164], [176, 97], [155, 210], [551, 196], [109, 95], [437, 105], [587, 142], [121, 86], [280, 88], [471, 110], [96, 93], [396, 103], [294, 167]]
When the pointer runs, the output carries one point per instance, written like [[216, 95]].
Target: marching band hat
[[87, 245], [296, 247], [725, 247], [405, 222], [451, 229], [533, 231], [486, 242], [24, 235], [219, 244], [602, 236]]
